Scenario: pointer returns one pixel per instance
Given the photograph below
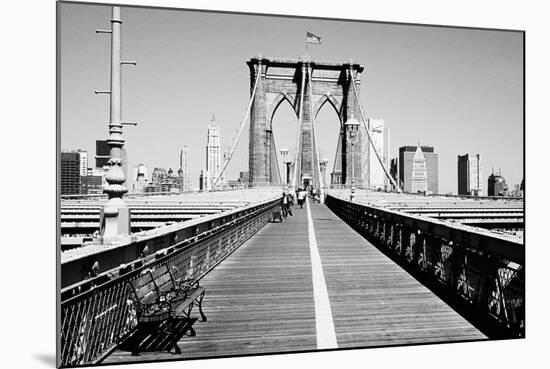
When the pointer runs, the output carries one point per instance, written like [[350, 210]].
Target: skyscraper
[[377, 135], [419, 178], [71, 183], [83, 163], [185, 167], [469, 175], [102, 153], [394, 171], [496, 185], [213, 152], [406, 160], [95, 180], [140, 178]]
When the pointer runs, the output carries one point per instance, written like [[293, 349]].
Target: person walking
[[284, 205], [290, 203], [302, 197]]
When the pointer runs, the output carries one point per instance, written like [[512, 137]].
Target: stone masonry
[[281, 79]]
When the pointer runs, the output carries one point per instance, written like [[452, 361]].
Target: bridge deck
[[261, 299]]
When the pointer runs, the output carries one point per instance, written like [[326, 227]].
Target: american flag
[[312, 39]]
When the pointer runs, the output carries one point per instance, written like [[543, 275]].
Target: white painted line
[[326, 336]]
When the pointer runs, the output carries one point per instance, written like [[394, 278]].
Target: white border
[[28, 181]]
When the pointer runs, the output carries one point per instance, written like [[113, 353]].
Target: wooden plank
[[260, 299], [374, 302]]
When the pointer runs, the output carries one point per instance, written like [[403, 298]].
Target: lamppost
[[115, 214], [287, 161], [323, 164], [352, 130]]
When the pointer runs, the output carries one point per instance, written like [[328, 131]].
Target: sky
[[459, 90]]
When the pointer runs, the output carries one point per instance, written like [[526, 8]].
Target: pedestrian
[[290, 203], [301, 197], [284, 205], [317, 196]]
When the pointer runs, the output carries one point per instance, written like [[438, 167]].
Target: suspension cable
[[318, 166], [276, 162], [243, 121], [298, 136], [368, 133]]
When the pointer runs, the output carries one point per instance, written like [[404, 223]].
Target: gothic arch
[[332, 100], [275, 105]]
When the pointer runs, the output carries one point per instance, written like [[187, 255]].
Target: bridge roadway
[[272, 295]]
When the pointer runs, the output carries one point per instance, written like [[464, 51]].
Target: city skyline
[[466, 78]]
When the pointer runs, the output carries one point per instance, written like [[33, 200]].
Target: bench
[[163, 308], [181, 294]]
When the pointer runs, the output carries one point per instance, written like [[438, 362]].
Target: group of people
[[284, 209], [301, 195], [288, 199]]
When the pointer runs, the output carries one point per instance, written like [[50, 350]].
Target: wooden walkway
[[261, 299]]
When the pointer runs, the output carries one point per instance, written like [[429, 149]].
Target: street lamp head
[[352, 128], [352, 123]]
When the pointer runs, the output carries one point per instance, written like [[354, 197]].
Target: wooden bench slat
[[189, 300], [162, 299]]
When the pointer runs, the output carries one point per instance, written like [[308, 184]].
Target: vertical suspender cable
[[368, 133], [318, 166], [277, 162], [298, 136], [243, 121]]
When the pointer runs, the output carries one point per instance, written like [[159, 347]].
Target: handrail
[[95, 321], [479, 273]]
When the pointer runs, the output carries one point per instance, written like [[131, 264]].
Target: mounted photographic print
[[238, 184]]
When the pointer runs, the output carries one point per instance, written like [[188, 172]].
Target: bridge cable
[[318, 166], [281, 181], [368, 133], [298, 136], [243, 121]]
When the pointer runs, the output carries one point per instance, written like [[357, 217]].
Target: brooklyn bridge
[[221, 273]]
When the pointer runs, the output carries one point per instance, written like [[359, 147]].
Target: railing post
[[406, 242], [399, 239], [416, 247]]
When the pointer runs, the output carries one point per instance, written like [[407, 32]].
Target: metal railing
[[480, 275], [95, 321]]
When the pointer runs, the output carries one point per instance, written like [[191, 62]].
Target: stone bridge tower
[[306, 85]]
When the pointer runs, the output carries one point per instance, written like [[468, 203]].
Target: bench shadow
[[158, 337]]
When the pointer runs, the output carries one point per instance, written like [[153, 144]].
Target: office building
[[83, 155], [164, 181], [469, 175], [94, 181], [394, 171], [185, 167], [139, 178], [419, 177], [406, 163], [102, 153], [496, 185], [204, 181], [70, 173], [213, 153]]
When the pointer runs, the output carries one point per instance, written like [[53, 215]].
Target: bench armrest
[[187, 284]]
